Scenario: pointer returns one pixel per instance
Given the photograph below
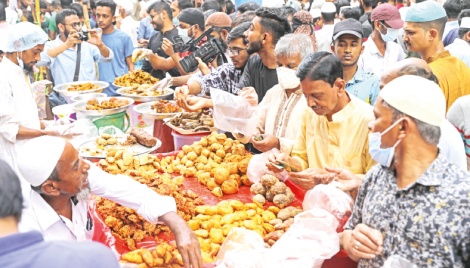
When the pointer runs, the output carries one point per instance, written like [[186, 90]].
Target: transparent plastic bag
[[331, 199], [233, 113], [257, 167], [397, 261], [310, 240], [39, 91]]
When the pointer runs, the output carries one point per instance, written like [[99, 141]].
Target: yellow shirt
[[453, 76], [343, 142]]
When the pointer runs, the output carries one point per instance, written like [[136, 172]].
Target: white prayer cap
[[38, 157], [25, 35], [465, 23], [328, 7], [318, 3], [315, 12], [417, 97]]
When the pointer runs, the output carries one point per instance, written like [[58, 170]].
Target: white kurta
[[17, 107]]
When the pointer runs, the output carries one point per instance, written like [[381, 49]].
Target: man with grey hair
[[416, 205], [128, 24]]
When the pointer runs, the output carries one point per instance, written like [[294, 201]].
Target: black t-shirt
[[258, 76], [155, 44]]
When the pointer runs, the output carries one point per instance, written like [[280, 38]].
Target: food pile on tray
[[164, 255], [82, 87], [187, 123], [111, 103], [165, 107], [141, 90], [135, 78]]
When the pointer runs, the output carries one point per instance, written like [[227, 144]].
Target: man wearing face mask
[[417, 205], [380, 50]]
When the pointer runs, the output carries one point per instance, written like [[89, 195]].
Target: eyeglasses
[[76, 24], [235, 51]]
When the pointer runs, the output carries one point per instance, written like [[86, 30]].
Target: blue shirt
[[121, 44], [63, 66], [30, 250], [364, 85], [146, 29], [451, 36]]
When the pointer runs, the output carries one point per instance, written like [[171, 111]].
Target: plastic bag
[[310, 240], [39, 91], [233, 113], [257, 167], [242, 248], [331, 199], [397, 261]]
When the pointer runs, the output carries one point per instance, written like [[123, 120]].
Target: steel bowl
[[81, 107], [62, 89], [167, 95], [88, 96], [145, 109]]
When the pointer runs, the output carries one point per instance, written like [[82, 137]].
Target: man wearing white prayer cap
[[325, 34], [415, 206], [60, 186]]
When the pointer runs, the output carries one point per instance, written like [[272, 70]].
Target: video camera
[[206, 53], [180, 46]]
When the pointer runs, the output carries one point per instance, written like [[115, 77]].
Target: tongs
[[161, 85]]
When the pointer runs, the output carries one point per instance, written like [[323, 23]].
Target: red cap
[[389, 14]]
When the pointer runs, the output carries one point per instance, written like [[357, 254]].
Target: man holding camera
[[68, 61]]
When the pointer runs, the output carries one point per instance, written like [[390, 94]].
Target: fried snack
[[164, 255], [142, 90], [165, 107], [135, 78], [143, 137], [201, 120], [111, 103], [82, 87]]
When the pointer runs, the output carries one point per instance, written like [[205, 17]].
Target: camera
[[206, 53], [83, 35]]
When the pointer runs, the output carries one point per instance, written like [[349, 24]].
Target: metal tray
[[135, 149], [80, 107], [145, 109], [62, 89], [187, 131], [167, 95]]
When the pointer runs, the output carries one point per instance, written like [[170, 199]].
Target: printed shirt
[[224, 77], [426, 223], [364, 85]]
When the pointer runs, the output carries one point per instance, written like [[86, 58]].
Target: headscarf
[[302, 23]]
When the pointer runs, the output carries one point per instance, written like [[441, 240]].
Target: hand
[[309, 178], [186, 240], [72, 39], [364, 242], [181, 93], [140, 53], [348, 181], [95, 37], [63, 131], [143, 42], [267, 143], [274, 159], [249, 94], [167, 47], [202, 66], [194, 104]]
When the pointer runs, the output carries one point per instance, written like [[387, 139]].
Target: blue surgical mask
[[383, 156], [391, 35], [176, 22]]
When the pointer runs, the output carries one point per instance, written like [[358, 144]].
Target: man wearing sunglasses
[[380, 50]]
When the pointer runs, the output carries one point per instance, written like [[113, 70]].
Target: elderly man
[[29, 249], [417, 207], [333, 131], [60, 186], [424, 26]]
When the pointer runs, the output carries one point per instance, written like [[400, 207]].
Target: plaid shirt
[[224, 77]]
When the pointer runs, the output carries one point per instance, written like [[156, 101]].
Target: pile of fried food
[[164, 255], [82, 87], [197, 121], [284, 219], [142, 90], [217, 162], [271, 189], [135, 78], [104, 140], [111, 103], [165, 107]]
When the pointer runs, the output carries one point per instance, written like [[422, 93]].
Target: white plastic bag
[[331, 199], [310, 240], [257, 167], [397, 261], [233, 113]]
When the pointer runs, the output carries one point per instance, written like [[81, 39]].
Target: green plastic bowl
[[120, 120]]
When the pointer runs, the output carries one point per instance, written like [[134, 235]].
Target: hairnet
[[23, 36]]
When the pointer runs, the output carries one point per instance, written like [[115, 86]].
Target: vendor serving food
[[61, 184]]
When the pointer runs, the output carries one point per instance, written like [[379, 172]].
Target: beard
[[254, 47], [84, 194], [66, 34]]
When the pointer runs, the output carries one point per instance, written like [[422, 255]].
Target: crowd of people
[[372, 94]]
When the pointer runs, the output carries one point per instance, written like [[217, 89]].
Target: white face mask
[[287, 78], [20, 61], [391, 35], [184, 34], [383, 156]]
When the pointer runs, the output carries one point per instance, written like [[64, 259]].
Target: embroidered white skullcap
[[38, 157], [417, 97]]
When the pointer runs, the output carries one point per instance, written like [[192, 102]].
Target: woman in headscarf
[[302, 23]]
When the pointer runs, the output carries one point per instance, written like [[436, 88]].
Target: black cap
[[348, 26], [192, 16]]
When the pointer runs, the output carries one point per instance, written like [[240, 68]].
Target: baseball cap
[[348, 26], [328, 7], [389, 14]]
